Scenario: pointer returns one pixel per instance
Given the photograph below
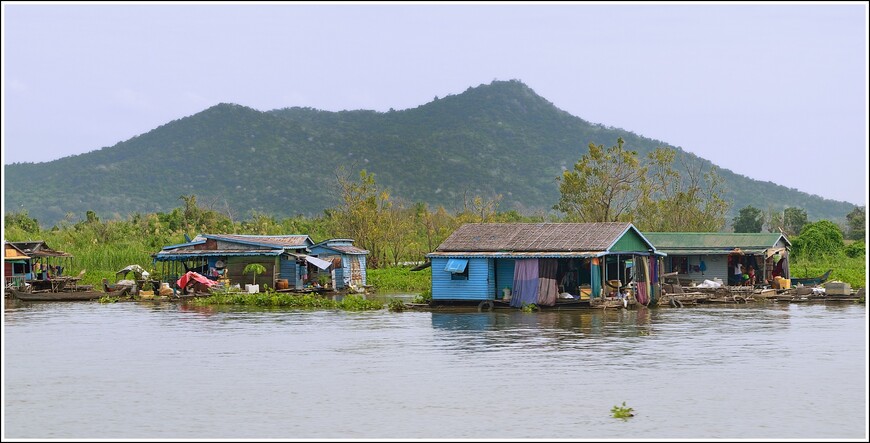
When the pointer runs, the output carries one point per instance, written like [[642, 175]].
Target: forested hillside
[[500, 138]]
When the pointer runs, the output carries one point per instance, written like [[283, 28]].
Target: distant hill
[[500, 138]]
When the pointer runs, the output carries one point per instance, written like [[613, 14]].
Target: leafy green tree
[[362, 212], [773, 220], [22, 221], [818, 240], [749, 219], [856, 221], [793, 220], [605, 185], [856, 249], [689, 201]]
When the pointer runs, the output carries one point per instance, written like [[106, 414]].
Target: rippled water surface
[[129, 370]]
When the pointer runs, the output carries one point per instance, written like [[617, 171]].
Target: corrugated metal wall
[[288, 271], [479, 286], [717, 267]]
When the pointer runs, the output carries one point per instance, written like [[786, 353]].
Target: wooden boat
[[811, 281], [63, 295]]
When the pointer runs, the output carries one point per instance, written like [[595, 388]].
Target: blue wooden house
[[348, 261], [490, 261], [285, 257]]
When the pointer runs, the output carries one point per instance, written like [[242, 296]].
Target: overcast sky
[[775, 92]]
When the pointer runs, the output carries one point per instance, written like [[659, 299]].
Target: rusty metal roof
[[37, 249], [347, 249], [279, 241], [534, 237]]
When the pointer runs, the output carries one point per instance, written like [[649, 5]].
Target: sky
[[775, 92]]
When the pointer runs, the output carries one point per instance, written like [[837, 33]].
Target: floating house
[[285, 257], [699, 256], [539, 262], [33, 261], [348, 261]]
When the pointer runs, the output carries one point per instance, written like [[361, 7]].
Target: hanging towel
[[547, 288]]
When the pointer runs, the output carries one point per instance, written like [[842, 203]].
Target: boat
[[811, 281], [64, 295]]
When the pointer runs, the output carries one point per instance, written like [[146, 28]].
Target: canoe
[[811, 281], [63, 296]]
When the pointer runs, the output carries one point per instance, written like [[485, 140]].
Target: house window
[[458, 268]]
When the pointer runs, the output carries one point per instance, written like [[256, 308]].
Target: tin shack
[[540, 262]]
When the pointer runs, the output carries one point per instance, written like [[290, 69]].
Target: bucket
[[282, 284]]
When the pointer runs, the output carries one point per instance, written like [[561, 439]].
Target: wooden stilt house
[[535, 262]]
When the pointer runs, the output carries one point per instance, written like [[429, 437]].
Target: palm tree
[[254, 268]]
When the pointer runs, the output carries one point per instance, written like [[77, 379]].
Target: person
[[738, 272], [751, 280]]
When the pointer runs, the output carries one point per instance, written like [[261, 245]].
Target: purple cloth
[[525, 282]]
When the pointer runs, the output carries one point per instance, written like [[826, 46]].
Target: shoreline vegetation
[[396, 233]]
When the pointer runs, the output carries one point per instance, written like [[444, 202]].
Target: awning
[[456, 265], [322, 264]]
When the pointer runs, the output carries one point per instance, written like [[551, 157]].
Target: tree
[[820, 239], [21, 220], [255, 269], [361, 212], [605, 185], [773, 220], [691, 201], [793, 220], [856, 221], [749, 219]]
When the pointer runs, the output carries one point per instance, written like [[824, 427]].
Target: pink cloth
[[182, 282]]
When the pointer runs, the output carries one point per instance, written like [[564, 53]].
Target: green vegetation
[[622, 412], [304, 301], [855, 222], [818, 240], [396, 305], [399, 279], [255, 269], [530, 307], [494, 139], [425, 297], [749, 219], [609, 185]]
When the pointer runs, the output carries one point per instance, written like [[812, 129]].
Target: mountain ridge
[[497, 138]]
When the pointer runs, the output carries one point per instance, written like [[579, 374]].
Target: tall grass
[[846, 269]]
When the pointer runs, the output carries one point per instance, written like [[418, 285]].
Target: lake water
[[86, 370]]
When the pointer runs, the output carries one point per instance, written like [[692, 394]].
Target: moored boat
[[63, 295]]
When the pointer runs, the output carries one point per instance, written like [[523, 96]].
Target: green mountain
[[500, 138]]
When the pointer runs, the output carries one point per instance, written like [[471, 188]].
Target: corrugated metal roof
[[346, 249], [713, 241], [534, 237], [182, 254], [38, 249], [281, 241], [467, 254]]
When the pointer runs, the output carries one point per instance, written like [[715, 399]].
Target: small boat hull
[[63, 296]]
